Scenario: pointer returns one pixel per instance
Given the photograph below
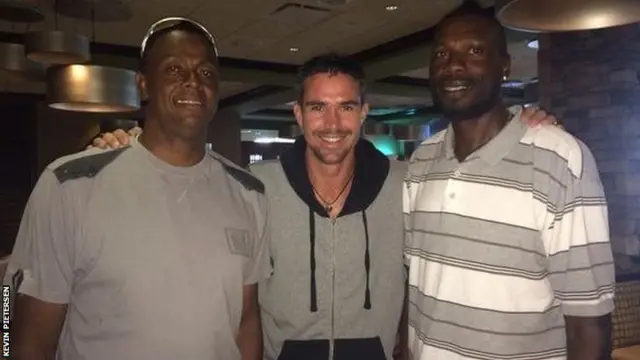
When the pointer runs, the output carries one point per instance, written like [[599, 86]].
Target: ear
[[364, 112], [297, 112], [141, 82]]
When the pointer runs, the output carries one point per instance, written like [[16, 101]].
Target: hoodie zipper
[[333, 288]]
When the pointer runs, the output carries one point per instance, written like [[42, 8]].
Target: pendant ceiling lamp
[[14, 66], [21, 11], [566, 15], [57, 47], [92, 88]]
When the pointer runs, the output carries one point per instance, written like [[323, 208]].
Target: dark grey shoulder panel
[[247, 180], [88, 166]]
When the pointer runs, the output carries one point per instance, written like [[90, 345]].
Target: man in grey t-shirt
[[151, 251]]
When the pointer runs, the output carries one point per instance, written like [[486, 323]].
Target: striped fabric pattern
[[503, 245]]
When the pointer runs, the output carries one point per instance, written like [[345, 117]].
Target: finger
[[539, 116], [121, 136], [112, 141], [99, 143], [528, 111]]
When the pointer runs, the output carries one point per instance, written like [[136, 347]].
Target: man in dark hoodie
[[336, 227], [338, 282]]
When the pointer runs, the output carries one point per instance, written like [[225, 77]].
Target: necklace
[[328, 206]]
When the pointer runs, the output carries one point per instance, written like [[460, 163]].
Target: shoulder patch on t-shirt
[[88, 166], [247, 180], [239, 241], [244, 177]]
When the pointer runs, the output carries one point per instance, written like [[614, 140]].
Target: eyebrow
[[203, 62], [316, 103]]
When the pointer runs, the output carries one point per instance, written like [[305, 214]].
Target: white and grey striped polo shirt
[[504, 244]]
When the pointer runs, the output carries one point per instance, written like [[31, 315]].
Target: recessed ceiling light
[[391, 7], [294, 49]]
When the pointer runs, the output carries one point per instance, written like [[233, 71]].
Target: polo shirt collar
[[498, 147]]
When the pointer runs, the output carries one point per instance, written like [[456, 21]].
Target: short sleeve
[[581, 268], [258, 267], [41, 264]]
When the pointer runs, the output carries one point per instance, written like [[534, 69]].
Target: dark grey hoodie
[[338, 285]]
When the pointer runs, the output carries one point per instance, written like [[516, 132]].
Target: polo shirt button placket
[[451, 186]]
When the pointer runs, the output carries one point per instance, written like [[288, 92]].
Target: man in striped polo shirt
[[507, 233]]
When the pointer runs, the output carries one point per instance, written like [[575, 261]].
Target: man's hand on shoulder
[[116, 139], [533, 117]]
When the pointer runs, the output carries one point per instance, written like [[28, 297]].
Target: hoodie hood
[[371, 171]]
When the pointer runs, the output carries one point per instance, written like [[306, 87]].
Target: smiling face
[[467, 67], [180, 82], [330, 114]]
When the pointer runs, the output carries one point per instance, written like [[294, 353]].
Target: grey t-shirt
[[150, 258]]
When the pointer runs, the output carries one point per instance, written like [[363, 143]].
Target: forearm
[[35, 328], [250, 338], [27, 352], [589, 338], [26, 346]]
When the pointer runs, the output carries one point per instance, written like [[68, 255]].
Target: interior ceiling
[[256, 39]]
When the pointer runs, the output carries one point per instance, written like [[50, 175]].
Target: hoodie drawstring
[[312, 260], [367, 261]]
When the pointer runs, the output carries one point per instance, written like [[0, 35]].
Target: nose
[[455, 64], [332, 117], [191, 79]]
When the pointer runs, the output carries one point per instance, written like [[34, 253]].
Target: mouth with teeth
[[332, 139], [455, 87], [189, 102]]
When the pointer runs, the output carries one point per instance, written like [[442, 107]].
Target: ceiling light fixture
[[566, 15], [92, 88], [533, 44], [57, 47], [14, 66], [294, 49], [391, 7]]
